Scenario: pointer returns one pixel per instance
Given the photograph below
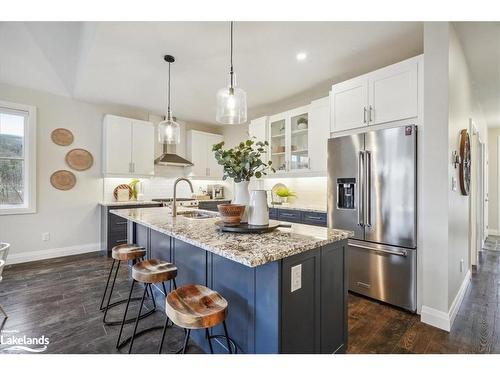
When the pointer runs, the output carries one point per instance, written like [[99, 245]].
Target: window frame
[[30, 167]]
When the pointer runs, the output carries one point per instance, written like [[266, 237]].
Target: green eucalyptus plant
[[243, 161]]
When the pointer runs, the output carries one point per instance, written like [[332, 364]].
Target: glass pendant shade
[[231, 106], [169, 132]]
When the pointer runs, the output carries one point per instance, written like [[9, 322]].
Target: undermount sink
[[195, 215]]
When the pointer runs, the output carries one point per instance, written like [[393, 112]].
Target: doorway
[[478, 195]]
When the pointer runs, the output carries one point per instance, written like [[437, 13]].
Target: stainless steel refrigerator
[[372, 191]]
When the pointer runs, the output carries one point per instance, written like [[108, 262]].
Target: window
[[17, 158]]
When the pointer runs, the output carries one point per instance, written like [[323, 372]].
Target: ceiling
[[121, 62], [481, 44]]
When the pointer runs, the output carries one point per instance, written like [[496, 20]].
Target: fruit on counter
[[284, 192], [134, 187]]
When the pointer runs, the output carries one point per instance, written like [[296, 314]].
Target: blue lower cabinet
[[314, 218], [293, 216], [265, 315], [299, 216]]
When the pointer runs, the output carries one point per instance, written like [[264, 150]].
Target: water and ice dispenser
[[345, 193]]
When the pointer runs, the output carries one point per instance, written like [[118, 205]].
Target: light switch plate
[[296, 277]]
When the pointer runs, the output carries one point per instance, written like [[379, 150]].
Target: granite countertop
[[300, 207], [127, 203], [249, 249]]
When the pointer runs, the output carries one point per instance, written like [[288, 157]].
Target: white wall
[[433, 223], [71, 217], [493, 209], [445, 231], [234, 134], [462, 109]]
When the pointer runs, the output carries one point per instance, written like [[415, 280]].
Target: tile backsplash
[[311, 191], [162, 187]]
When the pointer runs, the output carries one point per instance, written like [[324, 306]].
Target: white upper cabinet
[[128, 147], [349, 102], [297, 138], [393, 93], [385, 95], [143, 144], [319, 132], [199, 151], [258, 129]]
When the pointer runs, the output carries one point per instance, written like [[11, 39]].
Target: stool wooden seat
[[153, 271], [128, 251], [195, 306]]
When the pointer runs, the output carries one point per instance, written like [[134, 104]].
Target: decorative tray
[[247, 228]]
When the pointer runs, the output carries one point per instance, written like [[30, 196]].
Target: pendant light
[[169, 131], [231, 101]]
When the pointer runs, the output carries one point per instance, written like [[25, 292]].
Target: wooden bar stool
[[121, 253], [148, 272], [196, 307]]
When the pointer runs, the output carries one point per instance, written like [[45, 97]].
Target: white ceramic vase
[[242, 196], [258, 210]]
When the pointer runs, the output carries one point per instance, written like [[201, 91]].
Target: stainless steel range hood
[[171, 158]]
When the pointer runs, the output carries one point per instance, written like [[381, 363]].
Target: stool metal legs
[[186, 340], [147, 287], [109, 304], [3, 312], [229, 342], [227, 337]]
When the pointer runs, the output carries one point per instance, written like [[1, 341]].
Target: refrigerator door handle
[[361, 187], [368, 189], [381, 250]]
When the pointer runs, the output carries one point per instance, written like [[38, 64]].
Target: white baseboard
[[493, 232], [442, 319], [31, 256]]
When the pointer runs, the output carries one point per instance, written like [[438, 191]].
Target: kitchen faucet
[[174, 201]]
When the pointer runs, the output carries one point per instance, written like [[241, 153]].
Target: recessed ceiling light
[[301, 56]]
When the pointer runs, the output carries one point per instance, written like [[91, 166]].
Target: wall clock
[[465, 162]]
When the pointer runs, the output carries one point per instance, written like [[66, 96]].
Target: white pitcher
[[258, 210]]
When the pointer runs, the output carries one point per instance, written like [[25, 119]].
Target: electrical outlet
[[461, 265], [296, 277], [454, 183], [46, 236]]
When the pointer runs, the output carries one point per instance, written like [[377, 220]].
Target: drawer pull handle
[[121, 222], [314, 217], [289, 215], [363, 285], [118, 241]]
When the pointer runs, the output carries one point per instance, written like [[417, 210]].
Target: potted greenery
[[284, 193], [241, 163]]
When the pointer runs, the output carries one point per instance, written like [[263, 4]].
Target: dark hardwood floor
[[59, 298], [377, 328]]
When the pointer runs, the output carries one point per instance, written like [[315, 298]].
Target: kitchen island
[[286, 290]]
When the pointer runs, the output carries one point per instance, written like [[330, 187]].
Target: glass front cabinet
[[289, 140]]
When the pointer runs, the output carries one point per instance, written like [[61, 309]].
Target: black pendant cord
[[168, 95], [231, 72]]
